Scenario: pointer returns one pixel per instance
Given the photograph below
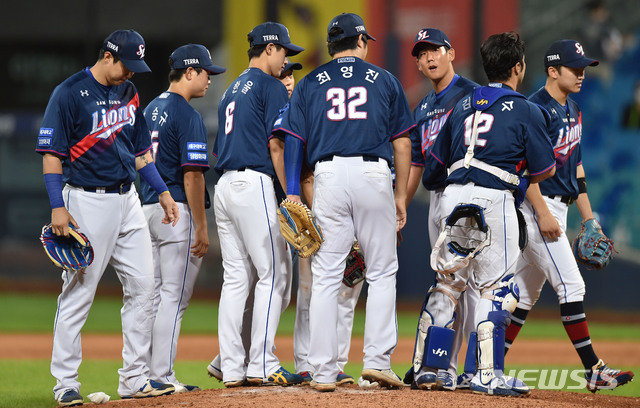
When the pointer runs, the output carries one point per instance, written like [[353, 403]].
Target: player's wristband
[[582, 185], [293, 151], [151, 176], [53, 182]]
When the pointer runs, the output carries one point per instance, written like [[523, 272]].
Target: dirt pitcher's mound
[[353, 397]]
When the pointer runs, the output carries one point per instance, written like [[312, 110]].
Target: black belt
[[120, 189], [568, 200], [364, 158]]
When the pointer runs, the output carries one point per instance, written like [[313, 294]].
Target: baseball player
[[94, 138], [434, 58], [253, 250], [347, 112], [347, 298], [179, 139], [548, 255], [485, 143]]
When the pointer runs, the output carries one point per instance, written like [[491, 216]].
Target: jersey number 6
[[228, 114], [342, 109]]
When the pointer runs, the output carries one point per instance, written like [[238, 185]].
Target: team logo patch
[[46, 132], [482, 102], [197, 146], [196, 156], [44, 141]]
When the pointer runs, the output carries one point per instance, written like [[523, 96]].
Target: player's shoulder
[[466, 84]]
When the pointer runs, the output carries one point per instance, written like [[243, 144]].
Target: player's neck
[[262, 63], [556, 93], [99, 74], [441, 84], [180, 89]]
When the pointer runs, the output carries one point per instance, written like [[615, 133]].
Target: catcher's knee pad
[[470, 365], [504, 294], [490, 349], [466, 233]]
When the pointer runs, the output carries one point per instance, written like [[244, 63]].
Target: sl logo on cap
[[579, 49], [140, 51], [422, 35]]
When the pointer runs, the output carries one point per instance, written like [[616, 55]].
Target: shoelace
[[608, 371]]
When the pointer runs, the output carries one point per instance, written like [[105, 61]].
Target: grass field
[[28, 383]]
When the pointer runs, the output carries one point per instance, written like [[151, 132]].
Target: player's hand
[[549, 227], [401, 212], [60, 219], [295, 198], [171, 213], [200, 247]]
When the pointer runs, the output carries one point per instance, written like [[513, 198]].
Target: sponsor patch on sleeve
[[45, 137], [198, 146], [197, 156]]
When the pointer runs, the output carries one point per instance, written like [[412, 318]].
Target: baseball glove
[[354, 272], [73, 253], [298, 226], [592, 247]]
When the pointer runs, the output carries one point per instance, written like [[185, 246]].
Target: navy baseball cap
[[196, 56], [568, 53], [430, 36], [129, 47], [352, 25], [275, 33], [292, 66]]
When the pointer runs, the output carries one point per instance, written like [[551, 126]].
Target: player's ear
[[452, 54]]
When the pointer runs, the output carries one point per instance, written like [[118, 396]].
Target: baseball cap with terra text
[[352, 25], [129, 47], [196, 56], [430, 36], [275, 33], [568, 53]]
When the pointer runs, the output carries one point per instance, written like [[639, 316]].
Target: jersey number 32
[[345, 103]]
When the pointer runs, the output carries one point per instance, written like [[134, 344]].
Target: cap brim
[[293, 49], [414, 51], [582, 63], [292, 66], [214, 69], [136, 65]]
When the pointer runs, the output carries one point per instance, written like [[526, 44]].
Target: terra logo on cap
[[196, 56], [568, 53], [351, 24], [275, 33], [129, 47]]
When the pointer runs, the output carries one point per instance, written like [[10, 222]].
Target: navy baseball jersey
[[96, 130], [179, 138], [511, 136], [328, 108], [565, 132], [430, 116], [246, 114]]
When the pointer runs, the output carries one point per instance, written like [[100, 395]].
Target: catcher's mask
[[466, 233]]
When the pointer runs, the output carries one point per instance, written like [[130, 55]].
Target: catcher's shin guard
[[433, 344], [438, 345], [426, 321], [470, 365]]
